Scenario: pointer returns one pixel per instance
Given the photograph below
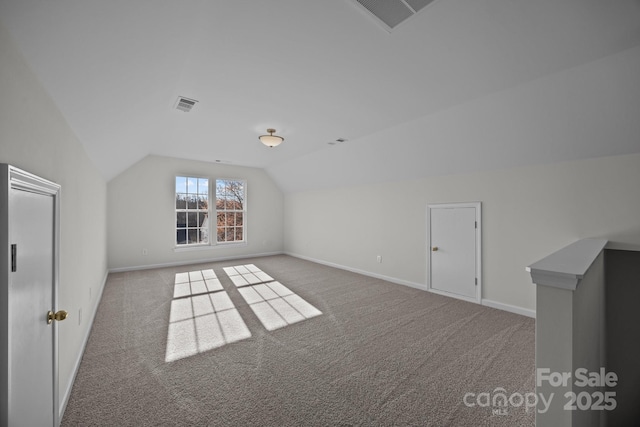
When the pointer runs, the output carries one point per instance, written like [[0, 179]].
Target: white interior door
[[29, 242], [31, 338], [454, 245]]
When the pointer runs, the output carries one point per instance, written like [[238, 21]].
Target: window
[[194, 210], [230, 210]]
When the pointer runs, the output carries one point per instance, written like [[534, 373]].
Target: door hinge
[[476, 224], [476, 281], [13, 258]]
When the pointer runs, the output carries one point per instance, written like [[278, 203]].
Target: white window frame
[[243, 211], [211, 212], [205, 224]]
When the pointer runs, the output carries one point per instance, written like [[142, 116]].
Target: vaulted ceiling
[[314, 70]]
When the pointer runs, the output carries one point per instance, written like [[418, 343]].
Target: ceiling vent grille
[[185, 104], [391, 13]]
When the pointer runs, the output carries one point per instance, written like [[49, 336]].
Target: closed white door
[[453, 250], [31, 337]]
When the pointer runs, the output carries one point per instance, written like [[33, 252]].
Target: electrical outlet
[[379, 258], [145, 252]]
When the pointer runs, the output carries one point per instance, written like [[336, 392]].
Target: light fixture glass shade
[[271, 140]]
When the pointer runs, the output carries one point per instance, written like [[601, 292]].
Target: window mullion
[[209, 212]]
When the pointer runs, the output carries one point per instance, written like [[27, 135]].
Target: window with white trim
[[197, 201], [192, 211], [230, 210]]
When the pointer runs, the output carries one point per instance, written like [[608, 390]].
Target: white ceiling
[[314, 70]]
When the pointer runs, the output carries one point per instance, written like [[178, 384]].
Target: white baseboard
[[511, 308], [488, 303], [363, 272], [191, 262], [67, 390], [452, 295]]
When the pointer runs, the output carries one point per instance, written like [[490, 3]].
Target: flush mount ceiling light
[[271, 140]]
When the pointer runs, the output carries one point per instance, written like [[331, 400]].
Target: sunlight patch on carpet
[[275, 305], [202, 316], [249, 274], [196, 282]]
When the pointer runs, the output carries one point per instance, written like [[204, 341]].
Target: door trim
[[478, 209], [15, 178]]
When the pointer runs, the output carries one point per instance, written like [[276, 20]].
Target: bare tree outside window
[[230, 210]]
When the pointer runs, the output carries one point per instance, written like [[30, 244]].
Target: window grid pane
[[230, 196], [203, 186], [192, 210]]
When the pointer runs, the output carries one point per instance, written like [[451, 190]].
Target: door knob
[[58, 316], [434, 249]]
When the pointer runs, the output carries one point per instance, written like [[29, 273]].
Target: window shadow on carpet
[[275, 305], [202, 316]]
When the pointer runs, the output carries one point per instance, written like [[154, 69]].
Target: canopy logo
[[584, 400], [500, 402]]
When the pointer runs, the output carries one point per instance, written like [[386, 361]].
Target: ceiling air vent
[[391, 13], [185, 104]]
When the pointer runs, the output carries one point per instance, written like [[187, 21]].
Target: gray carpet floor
[[380, 354]]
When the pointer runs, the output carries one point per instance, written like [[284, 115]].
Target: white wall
[[34, 136], [527, 213], [372, 198], [141, 213], [583, 112]]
